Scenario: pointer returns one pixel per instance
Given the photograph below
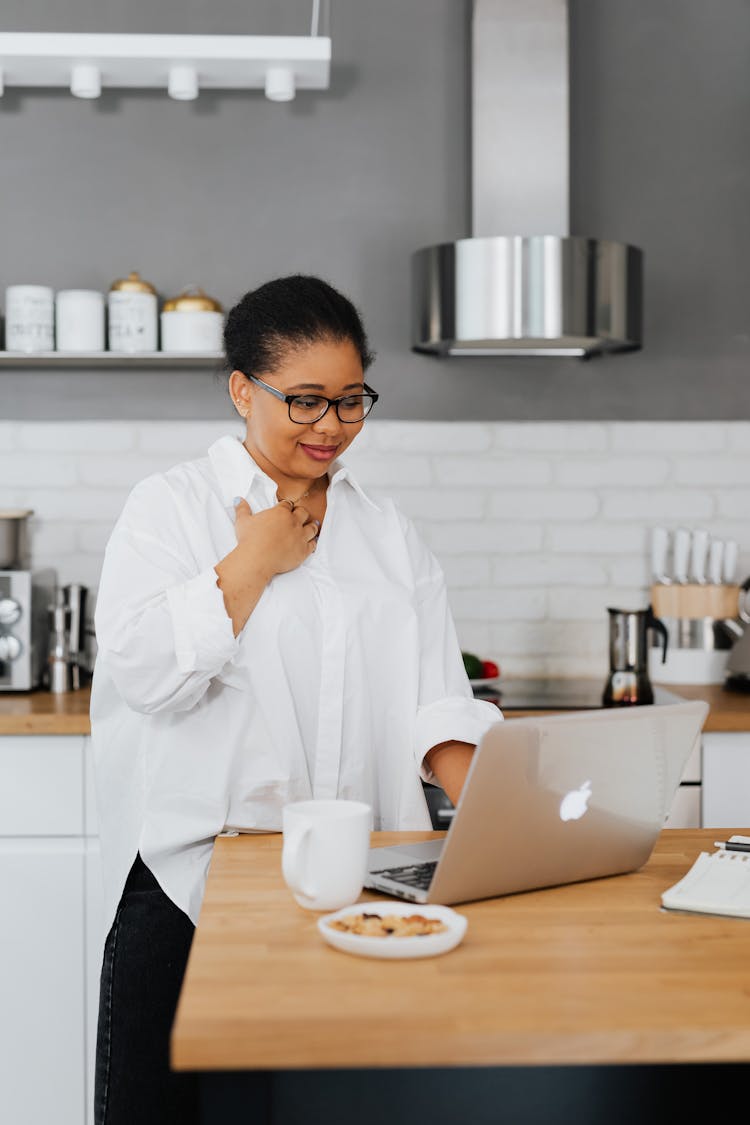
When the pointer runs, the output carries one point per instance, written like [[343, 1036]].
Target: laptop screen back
[[563, 798]]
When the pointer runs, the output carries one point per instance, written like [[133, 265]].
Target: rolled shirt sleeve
[[161, 625], [201, 627]]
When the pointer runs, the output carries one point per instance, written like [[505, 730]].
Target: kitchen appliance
[[14, 537], [75, 597], [79, 320], [29, 318], [59, 665], [192, 322], [24, 627], [133, 315], [521, 285], [628, 683], [738, 663], [531, 693]]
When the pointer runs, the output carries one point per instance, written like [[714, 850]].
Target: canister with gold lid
[[192, 322], [133, 315]]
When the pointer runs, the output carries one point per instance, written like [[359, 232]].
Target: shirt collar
[[341, 473], [237, 472], [235, 469]]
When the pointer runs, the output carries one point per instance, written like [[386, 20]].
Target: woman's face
[[283, 448]]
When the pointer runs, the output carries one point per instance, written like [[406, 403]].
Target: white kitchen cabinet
[[42, 941], [51, 930], [41, 785], [685, 811], [42, 1078], [726, 779]]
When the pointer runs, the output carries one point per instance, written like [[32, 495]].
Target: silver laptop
[[551, 800]]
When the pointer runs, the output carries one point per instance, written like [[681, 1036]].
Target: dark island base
[[544, 1095]]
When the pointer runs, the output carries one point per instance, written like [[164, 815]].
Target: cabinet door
[[726, 779], [41, 785], [42, 981]]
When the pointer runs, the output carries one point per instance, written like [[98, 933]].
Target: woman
[[267, 632]]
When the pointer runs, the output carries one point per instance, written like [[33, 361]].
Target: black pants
[[144, 962]]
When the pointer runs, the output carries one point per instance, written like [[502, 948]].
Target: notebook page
[[716, 884]]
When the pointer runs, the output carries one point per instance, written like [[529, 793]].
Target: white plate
[[483, 683], [395, 947]]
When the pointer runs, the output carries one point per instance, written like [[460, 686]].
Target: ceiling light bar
[[279, 65]]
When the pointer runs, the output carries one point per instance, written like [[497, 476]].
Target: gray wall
[[231, 190]]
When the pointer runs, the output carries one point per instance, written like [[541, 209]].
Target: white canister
[[29, 318], [80, 320], [192, 322], [133, 315]]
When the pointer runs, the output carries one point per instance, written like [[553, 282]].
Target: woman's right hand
[[268, 543], [279, 538]]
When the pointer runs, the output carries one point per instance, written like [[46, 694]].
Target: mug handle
[[293, 860]]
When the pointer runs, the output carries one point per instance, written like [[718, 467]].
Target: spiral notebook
[[717, 883]]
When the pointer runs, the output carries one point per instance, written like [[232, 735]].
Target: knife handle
[[681, 551], [659, 544], [730, 560], [715, 561], [698, 555]]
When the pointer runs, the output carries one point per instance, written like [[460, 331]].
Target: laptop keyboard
[[417, 875]]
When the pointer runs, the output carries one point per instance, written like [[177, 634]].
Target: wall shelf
[[114, 360], [86, 63]]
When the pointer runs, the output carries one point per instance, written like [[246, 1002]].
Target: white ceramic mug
[[324, 855]]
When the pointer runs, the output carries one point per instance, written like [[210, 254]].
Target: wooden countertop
[[730, 710], [594, 973], [39, 712]]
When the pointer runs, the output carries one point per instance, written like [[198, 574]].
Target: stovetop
[[529, 694]]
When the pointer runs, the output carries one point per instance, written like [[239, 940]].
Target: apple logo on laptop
[[575, 803]]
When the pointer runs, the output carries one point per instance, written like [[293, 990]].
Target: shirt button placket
[[330, 703]]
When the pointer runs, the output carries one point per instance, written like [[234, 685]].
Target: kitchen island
[[583, 1003], [51, 883]]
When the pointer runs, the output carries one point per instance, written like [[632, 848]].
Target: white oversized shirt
[[347, 672]]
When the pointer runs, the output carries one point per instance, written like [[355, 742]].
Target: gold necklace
[[288, 499], [294, 503]]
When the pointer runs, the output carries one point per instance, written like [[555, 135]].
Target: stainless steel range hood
[[522, 285]]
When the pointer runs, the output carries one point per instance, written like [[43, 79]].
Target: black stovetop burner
[[530, 694]]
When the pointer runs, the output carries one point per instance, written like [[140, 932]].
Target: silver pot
[[14, 541]]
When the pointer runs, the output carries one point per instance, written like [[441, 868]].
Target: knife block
[[695, 601], [699, 640]]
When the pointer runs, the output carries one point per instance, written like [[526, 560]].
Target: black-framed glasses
[[304, 409]]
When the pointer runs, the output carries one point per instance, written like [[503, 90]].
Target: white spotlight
[[85, 81], [280, 83], [183, 83]]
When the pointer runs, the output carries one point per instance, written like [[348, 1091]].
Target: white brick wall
[[539, 526]]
